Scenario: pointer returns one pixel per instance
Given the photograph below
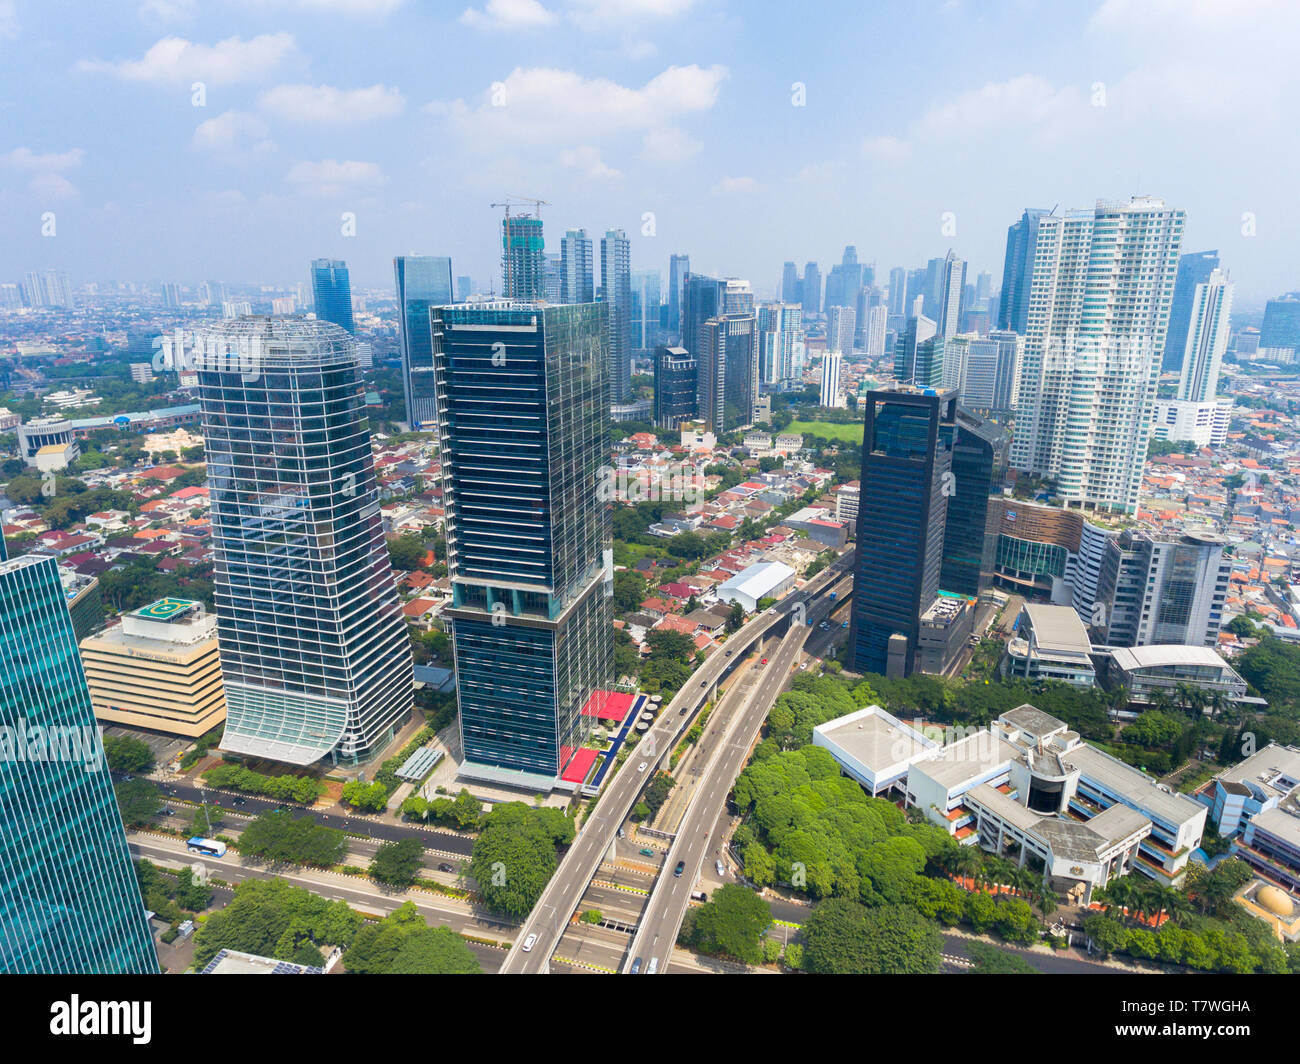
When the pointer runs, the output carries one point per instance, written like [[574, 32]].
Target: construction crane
[[507, 263]]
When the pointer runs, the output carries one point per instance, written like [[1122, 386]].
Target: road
[[550, 916], [698, 837]]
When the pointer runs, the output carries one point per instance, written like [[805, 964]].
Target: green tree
[[128, 754], [398, 863], [139, 802], [989, 960], [845, 937], [514, 855], [731, 923]]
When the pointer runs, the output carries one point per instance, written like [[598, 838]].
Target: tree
[[139, 802], [434, 951], [398, 864], [731, 923], [405, 552], [989, 960], [280, 837], [270, 918], [128, 754], [845, 937], [514, 855]]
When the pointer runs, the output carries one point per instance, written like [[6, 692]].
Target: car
[[722, 869], [727, 654], [529, 943], [684, 711], [636, 966], [763, 662], [845, 624], [445, 867], [654, 966], [620, 833], [646, 852], [238, 801], [641, 767], [704, 683], [167, 810], [681, 867]]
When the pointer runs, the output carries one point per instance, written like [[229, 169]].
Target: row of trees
[[515, 855], [304, 789]]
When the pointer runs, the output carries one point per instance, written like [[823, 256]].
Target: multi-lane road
[[541, 932]]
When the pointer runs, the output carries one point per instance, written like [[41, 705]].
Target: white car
[[641, 767], [529, 942]]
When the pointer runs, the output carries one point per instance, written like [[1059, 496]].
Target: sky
[[235, 140]]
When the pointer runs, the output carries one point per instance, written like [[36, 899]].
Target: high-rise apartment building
[[728, 371], [69, 899], [1018, 270], [331, 292], [874, 338], [1098, 309], [780, 326], [616, 281], [1194, 269], [423, 281], [523, 257], [841, 324], [675, 387], [524, 433], [832, 365], [314, 650], [577, 276], [1207, 338]]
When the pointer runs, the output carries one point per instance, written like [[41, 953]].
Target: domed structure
[[1275, 900]]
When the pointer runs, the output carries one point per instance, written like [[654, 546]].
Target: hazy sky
[[415, 115]]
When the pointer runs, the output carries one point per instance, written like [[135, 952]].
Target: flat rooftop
[[1033, 721], [875, 738], [1135, 785], [967, 759], [1274, 767], [1058, 630]]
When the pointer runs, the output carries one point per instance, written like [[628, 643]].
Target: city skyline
[[630, 115]]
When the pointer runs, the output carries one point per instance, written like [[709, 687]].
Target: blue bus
[[207, 847]]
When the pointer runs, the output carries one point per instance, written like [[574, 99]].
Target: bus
[[207, 847]]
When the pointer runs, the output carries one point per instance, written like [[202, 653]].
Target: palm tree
[[1178, 905], [1047, 899]]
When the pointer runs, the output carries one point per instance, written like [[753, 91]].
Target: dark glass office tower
[[423, 281], [1193, 269], [810, 288], [979, 465], [918, 354], [906, 473], [675, 387], [314, 650], [678, 267], [69, 900], [523, 259], [728, 371], [616, 283], [790, 283], [523, 421], [1018, 270], [702, 299], [332, 292]]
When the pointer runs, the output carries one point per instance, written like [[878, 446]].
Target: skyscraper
[[524, 439], [523, 259], [1193, 269], [1207, 338], [841, 324], [1280, 330], [423, 281], [577, 280], [979, 463], [877, 318], [69, 900], [1018, 270], [728, 371], [918, 354], [553, 268], [1095, 329], [810, 289], [951, 285], [702, 299], [675, 387], [992, 372], [678, 267], [844, 281], [645, 309], [314, 650], [616, 281], [790, 283], [832, 362], [898, 292], [779, 328], [906, 479], [332, 292]]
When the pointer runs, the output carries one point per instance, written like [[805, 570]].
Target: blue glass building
[[1193, 269], [1018, 270], [314, 650], [69, 900], [332, 292], [423, 281], [523, 405]]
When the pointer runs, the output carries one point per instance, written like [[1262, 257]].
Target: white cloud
[[731, 185], [26, 159], [611, 14], [508, 15], [8, 19], [1019, 103], [886, 149], [544, 104], [52, 186], [815, 173], [156, 12], [668, 144], [174, 60], [587, 159], [234, 132], [329, 177], [324, 104], [363, 8]]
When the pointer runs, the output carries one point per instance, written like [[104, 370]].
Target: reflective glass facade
[[314, 649], [69, 900], [332, 292], [423, 281], [523, 424]]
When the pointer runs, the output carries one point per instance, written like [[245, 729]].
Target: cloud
[[668, 144], [52, 186], [362, 8], [156, 12], [235, 132], [174, 60], [329, 177], [508, 15], [324, 104], [731, 185], [8, 19], [46, 181], [587, 159], [886, 149], [1019, 103], [599, 15], [544, 104]]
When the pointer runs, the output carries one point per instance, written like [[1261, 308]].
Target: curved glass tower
[[314, 649]]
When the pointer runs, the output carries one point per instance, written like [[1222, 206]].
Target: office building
[[844, 281], [464, 287], [874, 338], [1207, 334], [159, 669], [331, 294], [523, 442], [1199, 424], [1098, 309], [790, 291], [919, 354], [1279, 335], [523, 257], [1193, 271], [1018, 271], [577, 272], [841, 324], [69, 900], [616, 282], [678, 268], [314, 650], [906, 473], [810, 288], [1050, 643], [645, 309], [675, 387], [702, 299], [979, 464], [950, 283], [832, 362], [423, 281], [1256, 804], [780, 328], [41, 432], [897, 292], [728, 371]]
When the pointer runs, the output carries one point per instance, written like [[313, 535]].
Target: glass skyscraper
[[332, 292], [678, 267], [523, 258], [577, 279], [523, 422], [1018, 270], [616, 281], [423, 281], [675, 387], [314, 649], [728, 371], [69, 900], [1193, 269]]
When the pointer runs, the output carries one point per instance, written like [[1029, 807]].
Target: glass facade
[[675, 385], [69, 900], [728, 371], [314, 649], [979, 453], [523, 425], [523, 263], [423, 281], [616, 283], [332, 292]]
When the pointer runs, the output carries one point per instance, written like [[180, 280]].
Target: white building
[[761, 580], [873, 747], [877, 319], [1204, 424], [832, 363], [1207, 339], [1050, 643]]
